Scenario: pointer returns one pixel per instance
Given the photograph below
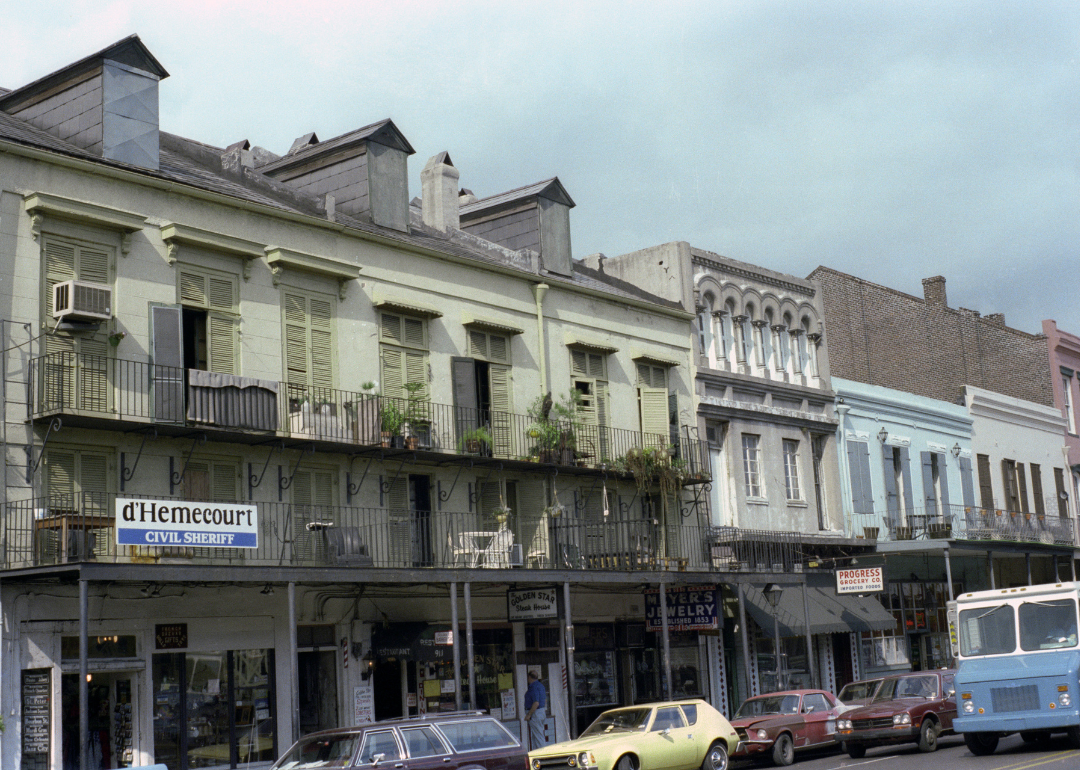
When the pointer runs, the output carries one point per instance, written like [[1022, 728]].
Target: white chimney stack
[[439, 190]]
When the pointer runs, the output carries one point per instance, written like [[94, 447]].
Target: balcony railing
[[104, 388], [75, 528], [960, 522]]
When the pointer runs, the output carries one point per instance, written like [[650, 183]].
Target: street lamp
[[772, 595]]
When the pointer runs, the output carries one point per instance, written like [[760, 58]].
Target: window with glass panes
[[751, 452], [589, 379], [791, 470], [917, 607]]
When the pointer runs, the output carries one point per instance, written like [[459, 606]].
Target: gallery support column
[[456, 648]]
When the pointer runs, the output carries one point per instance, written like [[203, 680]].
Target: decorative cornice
[[280, 258], [795, 415], [38, 205], [175, 234], [722, 267]]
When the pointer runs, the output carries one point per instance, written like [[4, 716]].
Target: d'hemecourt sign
[[178, 522], [689, 608]]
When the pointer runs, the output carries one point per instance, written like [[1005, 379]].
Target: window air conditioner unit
[[82, 301]]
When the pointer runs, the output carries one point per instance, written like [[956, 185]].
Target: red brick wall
[[880, 336]]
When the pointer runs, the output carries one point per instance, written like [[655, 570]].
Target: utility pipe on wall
[[539, 290]]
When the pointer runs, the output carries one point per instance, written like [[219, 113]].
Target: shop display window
[[594, 677], [493, 663], [214, 709]]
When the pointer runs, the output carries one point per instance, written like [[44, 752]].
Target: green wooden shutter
[[217, 295], [393, 372], [399, 523], [501, 434], [296, 357], [654, 415], [313, 497], [321, 320], [60, 478], [59, 266]]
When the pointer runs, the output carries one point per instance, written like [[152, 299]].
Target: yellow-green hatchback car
[[680, 735]]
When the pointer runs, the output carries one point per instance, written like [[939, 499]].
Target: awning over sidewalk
[[829, 613]]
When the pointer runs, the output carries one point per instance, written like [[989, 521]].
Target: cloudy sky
[[890, 140]]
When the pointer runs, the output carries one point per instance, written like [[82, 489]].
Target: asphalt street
[[1012, 754]]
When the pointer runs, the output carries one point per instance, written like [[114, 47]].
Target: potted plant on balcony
[[554, 428], [475, 441], [392, 419], [417, 415]]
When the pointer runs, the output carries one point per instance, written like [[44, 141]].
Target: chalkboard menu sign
[[36, 718]]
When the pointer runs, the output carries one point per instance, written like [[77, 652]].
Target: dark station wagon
[[467, 740], [907, 708]]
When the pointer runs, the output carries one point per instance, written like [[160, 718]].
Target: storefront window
[[493, 663], [213, 709]]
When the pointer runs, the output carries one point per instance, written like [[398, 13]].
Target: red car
[[782, 723], [907, 708]]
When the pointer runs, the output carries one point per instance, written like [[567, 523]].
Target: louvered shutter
[[60, 480], [217, 295], [533, 525], [859, 466], [490, 497], [59, 266], [943, 483], [478, 347], [296, 354], [393, 372], [986, 489], [1021, 481], [501, 418], [321, 319], [929, 494], [313, 496], [892, 494], [416, 371], [399, 523], [966, 484], [654, 415], [93, 381], [905, 475], [197, 480], [603, 441]]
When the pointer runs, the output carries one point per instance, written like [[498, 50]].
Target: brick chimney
[[106, 103], [934, 291], [439, 188]]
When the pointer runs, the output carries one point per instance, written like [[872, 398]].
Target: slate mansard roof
[[200, 167]]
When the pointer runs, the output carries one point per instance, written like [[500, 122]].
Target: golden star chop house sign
[[178, 522]]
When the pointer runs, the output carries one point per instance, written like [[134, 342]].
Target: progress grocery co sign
[[179, 523], [860, 581]]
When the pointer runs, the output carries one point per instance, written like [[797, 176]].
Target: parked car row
[[679, 735]]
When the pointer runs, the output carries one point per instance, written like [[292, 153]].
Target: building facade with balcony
[[952, 461], [1064, 350], [764, 403], [283, 450]]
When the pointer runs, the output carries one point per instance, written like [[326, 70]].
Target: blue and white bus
[[1018, 663]]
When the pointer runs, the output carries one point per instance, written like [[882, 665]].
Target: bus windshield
[[1048, 625], [988, 631]]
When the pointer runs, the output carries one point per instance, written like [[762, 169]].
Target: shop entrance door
[[111, 729], [316, 672], [387, 687]]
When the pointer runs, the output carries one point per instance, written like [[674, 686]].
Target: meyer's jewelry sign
[[182, 523]]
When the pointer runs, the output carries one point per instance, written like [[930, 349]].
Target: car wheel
[[981, 744], [1034, 736], [715, 758], [855, 750], [783, 750], [928, 734], [627, 762]]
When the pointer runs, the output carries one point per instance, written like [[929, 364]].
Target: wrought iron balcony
[[958, 522], [103, 392], [82, 527]]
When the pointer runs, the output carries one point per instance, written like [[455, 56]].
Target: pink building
[[1065, 372]]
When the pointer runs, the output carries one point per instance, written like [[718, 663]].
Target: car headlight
[[845, 724], [536, 764], [571, 761], [1064, 699], [901, 719], [969, 707], [762, 735], [586, 759]]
